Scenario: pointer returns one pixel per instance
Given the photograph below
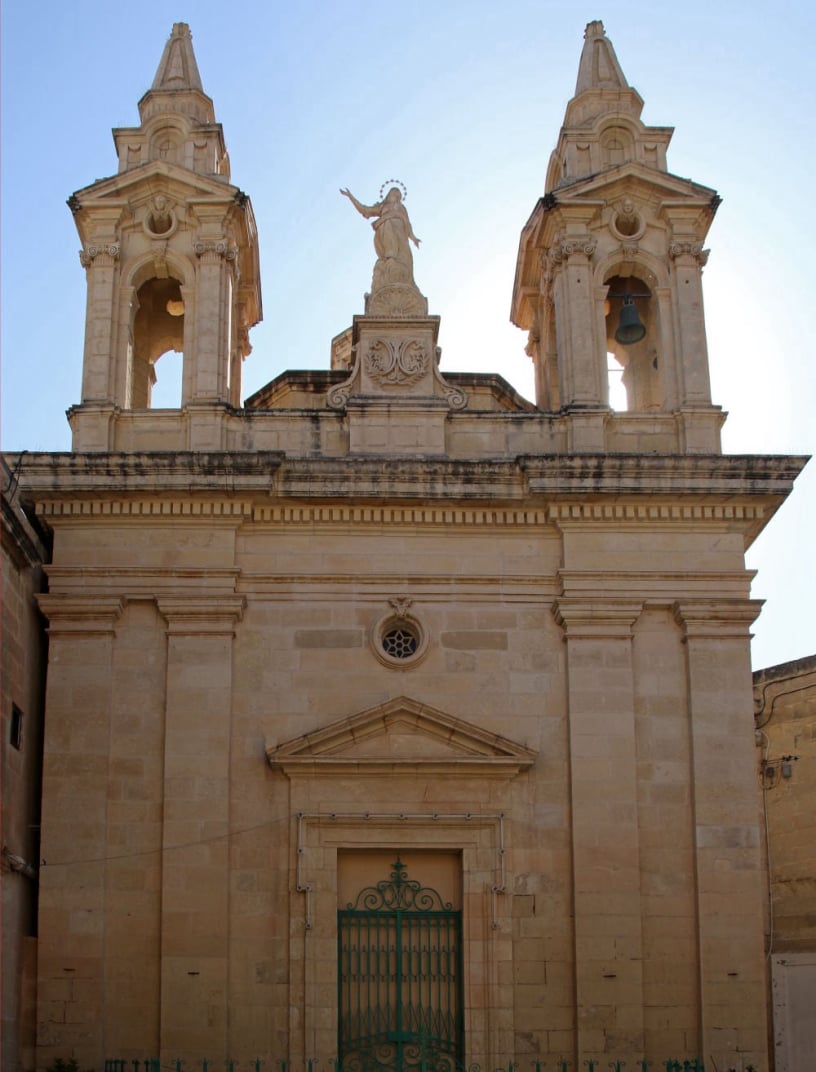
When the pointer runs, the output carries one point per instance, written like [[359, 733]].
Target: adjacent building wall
[[785, 701], [21, 700]]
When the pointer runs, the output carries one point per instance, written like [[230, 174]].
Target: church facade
[[391, 717]]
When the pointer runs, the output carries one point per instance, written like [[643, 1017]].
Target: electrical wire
[[165, 848]]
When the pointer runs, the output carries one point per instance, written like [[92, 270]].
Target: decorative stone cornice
[[209, 509], [201, 615], [141, 582], [410, 516], [705, 475], [118, 475], [589, 619], [560, 513], [572, 488], [442, 588], [80, 616], [717, 618], [88, 255], [657, 588], [400, 477]]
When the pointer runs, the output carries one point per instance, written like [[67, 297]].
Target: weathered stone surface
[[384, 612]]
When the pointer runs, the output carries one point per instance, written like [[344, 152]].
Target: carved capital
[[585, 619], [80, 616], [220, 247], [720, 618], [396, 362], [89, 254], [689, 249], [566, 248], [210, 615]]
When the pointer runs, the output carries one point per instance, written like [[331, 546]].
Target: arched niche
[[616, 140], [616, 146]]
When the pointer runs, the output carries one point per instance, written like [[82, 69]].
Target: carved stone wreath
[[396, 362]]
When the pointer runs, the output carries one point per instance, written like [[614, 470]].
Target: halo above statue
[[393, 182]]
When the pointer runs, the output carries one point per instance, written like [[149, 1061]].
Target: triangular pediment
[[652, 181], [402, 734], [182, 180]]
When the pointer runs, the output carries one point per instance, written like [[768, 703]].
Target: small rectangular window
[[16, 728]]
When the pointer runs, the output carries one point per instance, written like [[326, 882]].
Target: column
[[730, 878], [605, 849], [195, 874]]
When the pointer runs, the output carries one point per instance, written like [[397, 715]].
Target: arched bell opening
[[632, 345], [158, 329]]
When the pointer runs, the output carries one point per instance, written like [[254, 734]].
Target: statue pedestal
[[396, 399], [396, 299]]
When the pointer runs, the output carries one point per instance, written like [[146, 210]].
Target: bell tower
[[610, 270], [170, 250]]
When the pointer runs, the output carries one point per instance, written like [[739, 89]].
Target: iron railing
[[588, 1064]]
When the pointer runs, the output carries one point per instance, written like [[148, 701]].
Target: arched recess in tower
[[642, 373], [158, 327]]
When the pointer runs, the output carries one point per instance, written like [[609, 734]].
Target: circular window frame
[[633, 231], [393, 621], [167, 233]]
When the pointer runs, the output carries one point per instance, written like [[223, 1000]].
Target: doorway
[[399, 954]]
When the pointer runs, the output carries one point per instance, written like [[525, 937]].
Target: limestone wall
[[785, 701], [579, 738], [21, 696]]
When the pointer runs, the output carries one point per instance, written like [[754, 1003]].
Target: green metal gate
[[399, 979]]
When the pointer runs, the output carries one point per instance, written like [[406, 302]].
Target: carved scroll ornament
[[396, 362]]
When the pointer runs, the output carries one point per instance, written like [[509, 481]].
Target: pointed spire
[[177, 86], [178, 68], [602, 125], [599, 67]]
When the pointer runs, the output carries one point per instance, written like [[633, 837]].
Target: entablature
[[582, 488]]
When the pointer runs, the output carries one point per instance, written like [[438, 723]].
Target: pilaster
[[74, 846], [574, 296], [99, 261], [729, 876], [605, 840], [216, 261], [195, 875], [688, 258]]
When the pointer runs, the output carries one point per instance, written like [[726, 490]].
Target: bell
[[630, 329]]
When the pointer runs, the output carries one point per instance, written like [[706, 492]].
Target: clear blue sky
[[461, 100]]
